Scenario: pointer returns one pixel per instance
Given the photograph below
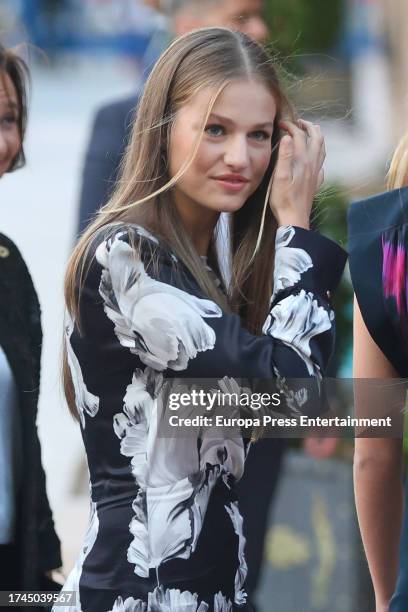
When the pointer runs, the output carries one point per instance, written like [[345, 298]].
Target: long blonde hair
[[210, 57], [398, 172]]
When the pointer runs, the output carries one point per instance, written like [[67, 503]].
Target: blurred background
[[345, 64]]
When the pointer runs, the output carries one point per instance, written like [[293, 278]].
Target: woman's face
[[10, 140], [234, 152]]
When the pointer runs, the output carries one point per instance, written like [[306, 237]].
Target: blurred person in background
[[29, 546], [41, 19], [379, 243], [111, 126], [145, 302]]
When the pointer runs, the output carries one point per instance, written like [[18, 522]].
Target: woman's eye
[[215, 130], [260, 135], [8, 120]]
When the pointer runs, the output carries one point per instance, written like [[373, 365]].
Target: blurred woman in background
[[29, 547], [378, 232]]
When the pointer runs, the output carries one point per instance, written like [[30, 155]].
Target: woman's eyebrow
[[226, 120], [10, 104]]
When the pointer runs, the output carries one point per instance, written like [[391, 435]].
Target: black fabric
[[37, 545], [370, 221], [10, 567], [259, 482], [110, 133]]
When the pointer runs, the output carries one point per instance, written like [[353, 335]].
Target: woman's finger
[[322, 154], [308, 127], [315, 141], [298, 135], [320, 178], [284, 165], [294, 129]]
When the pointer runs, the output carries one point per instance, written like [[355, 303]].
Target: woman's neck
[[199, 221]]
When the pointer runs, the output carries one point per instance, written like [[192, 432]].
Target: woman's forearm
[[379, 501], [377, 467]]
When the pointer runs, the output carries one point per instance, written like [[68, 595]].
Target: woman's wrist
[[291, 215], [294, 220]]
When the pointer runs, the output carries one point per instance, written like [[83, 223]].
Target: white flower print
[[85, 400], [290, 262], [225, 446], [170, 600], [294, 399], [198, 502], [175, 515], [228, 451], [242, 571], [170, 506], [221, 604], [72, 582], [102, 254], [132, 425], [129, 605], [138, 429], [160, 513], [295, 321], [139, 550], [160, 323]]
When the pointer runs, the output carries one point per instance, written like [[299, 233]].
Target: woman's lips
[[232, 184]]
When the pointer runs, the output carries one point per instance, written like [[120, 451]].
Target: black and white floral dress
[[165, 533]]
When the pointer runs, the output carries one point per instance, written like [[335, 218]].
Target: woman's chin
[[230, 205]]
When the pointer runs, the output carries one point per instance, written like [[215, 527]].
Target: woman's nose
[[236, 155]]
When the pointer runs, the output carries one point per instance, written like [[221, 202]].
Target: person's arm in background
[[377, 476], [110, 132]]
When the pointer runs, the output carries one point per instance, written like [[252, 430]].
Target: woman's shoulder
[[11, 258], [378, 213], [119, 239], [8, 247], [373, 223], [131, 233], [16, 281], [122, 249]]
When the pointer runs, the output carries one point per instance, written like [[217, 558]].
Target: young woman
[[146, 304], [379, 242], [29, 547]]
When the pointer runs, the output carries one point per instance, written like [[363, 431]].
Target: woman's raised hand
[[298, 173]]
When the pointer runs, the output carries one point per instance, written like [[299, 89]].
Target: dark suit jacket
[[21, 339], [110, 133]]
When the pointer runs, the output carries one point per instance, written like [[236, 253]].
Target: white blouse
[[10, 450]]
